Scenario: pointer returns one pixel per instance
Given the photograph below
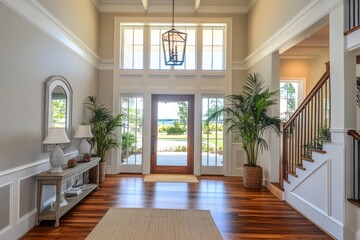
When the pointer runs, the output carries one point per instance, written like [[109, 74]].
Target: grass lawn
[[164, 136]]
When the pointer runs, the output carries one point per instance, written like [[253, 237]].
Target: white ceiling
[[181, 6]]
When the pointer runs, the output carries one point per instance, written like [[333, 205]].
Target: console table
[[47, 178]]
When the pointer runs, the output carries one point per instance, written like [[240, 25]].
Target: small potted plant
[[246, 115], [103, 125]]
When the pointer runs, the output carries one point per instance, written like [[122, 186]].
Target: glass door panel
[[172, 134]]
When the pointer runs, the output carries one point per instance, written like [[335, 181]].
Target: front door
[[172, 134]]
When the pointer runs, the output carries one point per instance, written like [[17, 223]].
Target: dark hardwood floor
[[238, 213]]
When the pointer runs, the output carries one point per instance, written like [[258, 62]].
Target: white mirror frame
[[50, 85]]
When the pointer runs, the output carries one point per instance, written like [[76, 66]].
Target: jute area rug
[[147, 223], [170, 178]]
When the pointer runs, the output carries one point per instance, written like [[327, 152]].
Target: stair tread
[[307, 159], [293, 174], [285, 180], [300, 167], [318, 150]]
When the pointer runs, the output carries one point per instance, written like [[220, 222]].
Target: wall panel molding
[[19, 225], [11, 207]]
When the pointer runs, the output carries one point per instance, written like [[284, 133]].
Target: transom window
[[213, 48], [132, 49], [141, 46]]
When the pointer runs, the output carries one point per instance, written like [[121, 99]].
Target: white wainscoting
[[318, 192], [19, 225]]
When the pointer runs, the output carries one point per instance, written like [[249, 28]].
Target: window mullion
[[212, 49], [146, 47], [199, 48]]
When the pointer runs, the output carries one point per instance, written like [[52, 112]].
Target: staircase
[[305, 133], [312, 168]]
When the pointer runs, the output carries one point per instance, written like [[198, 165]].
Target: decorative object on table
[[72, 163], [103, 126], [84, 131], [86, 157], [56, 136], [247, 117], [174, 44]]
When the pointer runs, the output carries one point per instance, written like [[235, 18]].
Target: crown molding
[[160, 7], [238, 65], [40, 17], [106, 64], [96, 3], [310, 15]]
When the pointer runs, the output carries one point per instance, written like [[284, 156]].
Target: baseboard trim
[[328, 224]]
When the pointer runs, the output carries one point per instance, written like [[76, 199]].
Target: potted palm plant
[[246, 115], [103, 125]]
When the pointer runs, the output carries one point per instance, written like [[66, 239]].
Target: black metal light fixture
[[174, 44]]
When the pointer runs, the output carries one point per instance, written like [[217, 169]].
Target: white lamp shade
[[83, 131], [56, 136]]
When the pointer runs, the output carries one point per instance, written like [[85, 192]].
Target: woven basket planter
[[253, 177], [102, 171]]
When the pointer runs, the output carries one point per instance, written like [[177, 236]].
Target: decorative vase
[[253, 177], [56, 160]]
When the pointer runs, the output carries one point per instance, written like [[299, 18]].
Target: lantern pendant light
[[174, 44]]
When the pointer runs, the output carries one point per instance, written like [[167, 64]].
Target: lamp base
[[56, 160], [84, 147]]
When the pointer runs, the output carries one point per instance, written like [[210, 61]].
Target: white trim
[[96, 4], [353, 41], [40, 17], [29, 165], [307, 17], [11, 210], [106, 64], [328, 223], [28, 214], [238, 65], [128, 7]]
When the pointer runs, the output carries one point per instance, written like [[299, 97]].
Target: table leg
[[38, 200], [58, 198]]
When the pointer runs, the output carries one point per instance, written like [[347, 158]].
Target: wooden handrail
[[354, 134], [301, 133], [311, 95]]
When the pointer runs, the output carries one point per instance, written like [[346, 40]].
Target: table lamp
[[83, 131], [56, 136]]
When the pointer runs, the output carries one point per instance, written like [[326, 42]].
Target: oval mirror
[[58, 107]]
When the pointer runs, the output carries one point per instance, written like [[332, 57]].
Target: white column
[[147, 134], [342, 77]]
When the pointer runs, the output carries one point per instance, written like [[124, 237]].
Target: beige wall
[[80, 16], [28, 57], [267, 17], [309, 69], [269, 67]]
